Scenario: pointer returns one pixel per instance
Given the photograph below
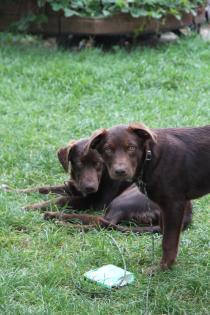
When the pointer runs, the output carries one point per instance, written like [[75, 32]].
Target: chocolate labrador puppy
[[95, 189], [92, 187], [171, 165], [121, 200]]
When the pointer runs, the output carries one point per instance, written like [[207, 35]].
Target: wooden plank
[[121, 24], [118, 24], [171, 23]]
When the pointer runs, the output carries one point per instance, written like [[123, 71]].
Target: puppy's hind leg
[[56, 189], [83, 218], [60, 201]]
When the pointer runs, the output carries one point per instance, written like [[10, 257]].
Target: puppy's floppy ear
[[64, 154], [143, 131], [95, 140]]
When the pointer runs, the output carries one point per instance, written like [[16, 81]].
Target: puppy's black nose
[[90, 189], [120, 172]]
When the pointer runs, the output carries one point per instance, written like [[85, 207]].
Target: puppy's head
[[85, 168], [122, 148]]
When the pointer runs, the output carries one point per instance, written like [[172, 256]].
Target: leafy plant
[[136, 8], [25, 22], [155, 9]]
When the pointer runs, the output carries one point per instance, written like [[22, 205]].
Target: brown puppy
[[122, 200], [173, 165], [91, 187]]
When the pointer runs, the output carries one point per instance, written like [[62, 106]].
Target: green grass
[[50, 96]]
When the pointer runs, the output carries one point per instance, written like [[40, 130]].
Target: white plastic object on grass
[[110, 276]]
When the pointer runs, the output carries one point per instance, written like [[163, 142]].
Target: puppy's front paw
[[166, 265]]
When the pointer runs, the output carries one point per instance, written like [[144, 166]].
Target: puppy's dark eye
[[131, 148]]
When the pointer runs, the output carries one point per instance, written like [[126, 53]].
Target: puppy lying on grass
[[92, 188]]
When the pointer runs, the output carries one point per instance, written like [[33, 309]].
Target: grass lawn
[[48, 97]]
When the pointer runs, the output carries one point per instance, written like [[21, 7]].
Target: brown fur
[[122, 201], [178, 171]]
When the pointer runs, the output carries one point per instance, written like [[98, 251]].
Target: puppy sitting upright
[[173, 165]]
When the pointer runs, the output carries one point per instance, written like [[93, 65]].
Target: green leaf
[[57, 6], [106, 12], [156, 15], [156, 9], [137, 12], [69, 12]]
